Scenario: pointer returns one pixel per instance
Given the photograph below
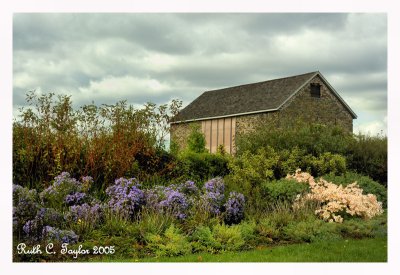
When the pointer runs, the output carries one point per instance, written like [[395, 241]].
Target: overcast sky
[[157, 57]]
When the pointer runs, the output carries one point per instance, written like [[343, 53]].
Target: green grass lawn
[[365, 250]]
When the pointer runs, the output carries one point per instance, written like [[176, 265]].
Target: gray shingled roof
[[256, 97]]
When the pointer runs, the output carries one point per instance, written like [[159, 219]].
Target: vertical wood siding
[[219, 131]]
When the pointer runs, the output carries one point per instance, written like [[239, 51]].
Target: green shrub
[[248, 231], [218, 165], [198, 215], [201, 166], [325, 163], [282, 190], [360, 228], [281, 215], [368, 155], [171, 243], [277, 217], [311, 230], [290, 160], [252, 169], [268, 230], [255, 175], [224, 237], [229, 237], [368, 185], [203, 240]]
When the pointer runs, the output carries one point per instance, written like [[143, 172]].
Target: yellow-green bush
[[171, 243]]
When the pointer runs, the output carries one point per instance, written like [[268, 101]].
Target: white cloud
[[124, 85], [372, 128]]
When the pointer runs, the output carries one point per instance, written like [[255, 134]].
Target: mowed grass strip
[[365, 250]]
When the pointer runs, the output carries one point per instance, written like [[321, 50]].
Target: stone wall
[[248, 123], [181, 131], [325, 110], [302, 107]]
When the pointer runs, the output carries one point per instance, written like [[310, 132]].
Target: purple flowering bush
[[126, 198], [213, 196], [188, 188], [66, 191], [215, 185], [77, 198], [84, 212], [154, 196], [25, 206], [57, 235], [50, 216], [234, 208], [33, 230], [175, 202], [167, 199], [44, 217]]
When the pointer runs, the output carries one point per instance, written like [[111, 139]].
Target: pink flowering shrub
[[336, 200]]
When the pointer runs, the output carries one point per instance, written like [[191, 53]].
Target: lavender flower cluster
[[215, 185], [77, 198], [175, 198], [64, 178], [154, 196], [66, 190], [25, 205], [54, 234], [50, 216], [188, 188], [85, 212], [32, 229], [175, 202], [213, 196], [44, 217], [234, 208], [126, 198]]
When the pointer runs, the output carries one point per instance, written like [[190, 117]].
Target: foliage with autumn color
[[106, 142]]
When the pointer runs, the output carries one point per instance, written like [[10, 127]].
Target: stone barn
[[222, 114]]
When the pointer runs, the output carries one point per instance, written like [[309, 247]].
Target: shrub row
[[364, 154], [268, 164]]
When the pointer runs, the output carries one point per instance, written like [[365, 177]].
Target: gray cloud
[[157, 57]]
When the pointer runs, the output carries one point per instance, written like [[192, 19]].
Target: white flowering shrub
[[335, 200]]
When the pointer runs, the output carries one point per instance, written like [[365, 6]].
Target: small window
[[315, 90]]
